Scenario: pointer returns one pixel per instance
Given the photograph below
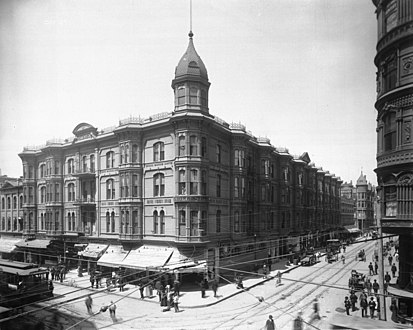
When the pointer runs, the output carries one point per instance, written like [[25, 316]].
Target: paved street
[[232, 309]]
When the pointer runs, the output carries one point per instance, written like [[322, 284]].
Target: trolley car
[[22, 283]]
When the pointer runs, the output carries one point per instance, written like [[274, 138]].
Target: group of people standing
[[168, 295]]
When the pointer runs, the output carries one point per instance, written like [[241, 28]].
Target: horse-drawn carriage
[[361, 255], [356, 280]]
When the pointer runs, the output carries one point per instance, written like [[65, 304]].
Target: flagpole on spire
[[190, 34]]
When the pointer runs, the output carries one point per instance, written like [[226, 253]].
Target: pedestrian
[[298, 322], [353, 300], [390, 259], [387, 278], [396, 256], [369, 287], [177, 285], [141, 288], [112, 311], [344, 248], [264, 271], [269, 325], [363, 304], [394, 311], [88, 303], [347, 305], [394, 270], [376, 267], [316, 311], [53, 272], [279, 277], [176, 302], [376, 287], [214, 286], [371, 270], [204, 286], [372, 306], [343, 259], [92, 281]]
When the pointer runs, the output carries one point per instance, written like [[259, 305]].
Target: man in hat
[[269, 325]]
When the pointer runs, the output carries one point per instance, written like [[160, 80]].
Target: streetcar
[[22, 283], [333, 249]]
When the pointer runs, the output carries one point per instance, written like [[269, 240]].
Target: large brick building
[[394, 62], [184, 181]]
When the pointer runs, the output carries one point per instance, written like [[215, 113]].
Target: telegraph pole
[[382, 295]]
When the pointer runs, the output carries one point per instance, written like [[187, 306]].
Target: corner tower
[[191, 83]]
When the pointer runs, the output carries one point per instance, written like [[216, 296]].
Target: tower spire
[[190, 34]]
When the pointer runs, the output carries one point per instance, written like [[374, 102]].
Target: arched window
[[112, 221], [110, 189], [9, 203], [84, 164], [71, 166], [155, 222], [15, 224], [110, 159], [8, 223], [15, 202], [158, 151], [20, 202], [43, 195], [159, 184], [71, 192], [69, 222], [162, 222]]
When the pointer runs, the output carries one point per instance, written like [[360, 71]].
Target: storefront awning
[[148, 257], [113, 256], [7, 245], [353, 230], [93, 250], [34, 244]]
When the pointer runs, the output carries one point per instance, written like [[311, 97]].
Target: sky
[[299, 72]]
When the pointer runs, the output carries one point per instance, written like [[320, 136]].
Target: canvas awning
[[93, 250], [34, 244], [353, 230], [148, 257], [7, 245], [113, 256]]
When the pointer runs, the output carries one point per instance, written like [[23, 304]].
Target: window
[[236, 187], [203, 224], [159, 184], [182, 183], [236, 221], [92, 163], [107, 222], [71, 166], [193, 145], [390, 132], [43, 195], [8, 203], [181, 145], [126, 155], [155, 222], [158, 151], [218, 153], [242, 187], [110, 189], [71, 192], [193, 184], [203, 147], [56, 167], [134, 185], [204, 98], [3, 203], [182, 222], [218, 185], [15, 202], [42, 171], [124, 185], [84, 164], [218, 222], [134, 153], [162, 222], [193, 95], [181, 95], [57, 192], [110, 159], [112, 221], [203, 183], [194, 222]]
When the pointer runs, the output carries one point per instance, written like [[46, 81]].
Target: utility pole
[[382, 295]]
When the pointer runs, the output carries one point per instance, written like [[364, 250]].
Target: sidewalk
[[190, 294]]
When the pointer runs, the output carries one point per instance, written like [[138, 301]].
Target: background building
[[184, 184], [348, 205], [365, 196], [394, 61]]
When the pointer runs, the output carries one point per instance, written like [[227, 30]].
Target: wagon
[[356, 280], [309, 260]]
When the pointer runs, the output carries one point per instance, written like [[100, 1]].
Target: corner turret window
[[390, 132], [204, 98], [181, 95], [193, 95]]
